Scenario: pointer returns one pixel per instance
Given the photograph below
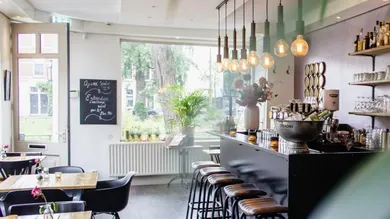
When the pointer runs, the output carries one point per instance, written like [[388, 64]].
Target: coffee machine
[[330, 101]]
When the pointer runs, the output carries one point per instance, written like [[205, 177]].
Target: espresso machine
[[330, 101]]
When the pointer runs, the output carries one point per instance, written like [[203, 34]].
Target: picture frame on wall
[[7, 85]]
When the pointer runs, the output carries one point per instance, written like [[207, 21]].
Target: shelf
[[370, 114], [370, 83], [372, 52]]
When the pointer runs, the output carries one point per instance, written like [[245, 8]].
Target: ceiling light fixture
[[338, 17], [253, 59], [267, 60], [219, 65], [226, 60], [234, 65], [244, 65], [300, 47], [281, 47]]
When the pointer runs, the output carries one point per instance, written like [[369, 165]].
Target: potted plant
[[157, 134], [49, 208], [150, 135], [187, 106], [132, 135]]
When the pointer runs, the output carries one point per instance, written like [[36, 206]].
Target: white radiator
[[148, 158]]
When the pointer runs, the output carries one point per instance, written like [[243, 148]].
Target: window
[[39, 69], [162, 65], [38, 102]]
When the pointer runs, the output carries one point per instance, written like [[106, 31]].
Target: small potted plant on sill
[[132, 135], [157, 134], [138, 134], [150, 135], [49, 208]]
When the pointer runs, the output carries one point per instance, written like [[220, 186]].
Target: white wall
[[96, 57], [5, 63]]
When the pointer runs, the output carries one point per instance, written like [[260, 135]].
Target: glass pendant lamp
[[253, 59], [244, 65], [226, 60], [267, 60], [281, 47], [234, 65], [299, 47], [219, 66]]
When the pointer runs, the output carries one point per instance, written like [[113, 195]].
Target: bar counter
[[299, 181]]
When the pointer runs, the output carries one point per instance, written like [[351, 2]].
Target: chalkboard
[[98, 102]]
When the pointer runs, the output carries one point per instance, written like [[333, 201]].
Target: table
[[73, 215], [20, 158], [213, 153], [183, 153], [68, 181]]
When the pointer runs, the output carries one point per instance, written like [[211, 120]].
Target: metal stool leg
[[192, 192], [225, 207], [235, 209], [215, 194], [200, 203], [206, 209], [243, 216]]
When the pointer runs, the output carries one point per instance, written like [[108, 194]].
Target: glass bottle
[[387, 42], [382, 34], [373, 44], [361, 40], [367, 41], [356, 44]]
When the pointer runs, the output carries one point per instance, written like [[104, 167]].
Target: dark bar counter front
[[299, 181]]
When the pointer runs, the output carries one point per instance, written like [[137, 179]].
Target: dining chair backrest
[[33, 208], [17, 154], [109, 196], [25, 197], [66, 169], [8, 168]]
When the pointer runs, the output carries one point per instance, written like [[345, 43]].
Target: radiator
[[148, 158]]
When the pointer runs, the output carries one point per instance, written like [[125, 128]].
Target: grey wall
[[332, 45]]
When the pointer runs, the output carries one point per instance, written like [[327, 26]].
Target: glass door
[[40, 100]]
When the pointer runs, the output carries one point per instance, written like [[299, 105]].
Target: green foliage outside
[[47, 87], [141, 111]]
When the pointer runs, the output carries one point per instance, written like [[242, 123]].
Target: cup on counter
[[58, 175], [252, 135], [233, 131]]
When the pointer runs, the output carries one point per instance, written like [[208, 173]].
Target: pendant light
[[281, 47], [219, 65], [244, 65], [300, 47], [267, 61], [253, 59], [226, 60], [234, 65]]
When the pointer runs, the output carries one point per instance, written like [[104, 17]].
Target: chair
[[15, 167], [76, 194], [109, 197], [25, 197], [33, 208], [28, 154]]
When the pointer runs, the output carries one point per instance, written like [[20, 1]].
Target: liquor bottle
[[367, 41], [372, 40], [356, 44], [385, 34], [378, 34], [382, 33], [373, 45], [387, 41], [311, 114], [361, 40]]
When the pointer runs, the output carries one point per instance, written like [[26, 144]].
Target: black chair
[[8, 168], [18, 154], [76, 193], [109, 197], [25, 197], [66, 169], [33, 208]]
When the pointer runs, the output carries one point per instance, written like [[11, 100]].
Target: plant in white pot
[[187, 107]]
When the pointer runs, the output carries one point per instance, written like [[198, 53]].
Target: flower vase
[[48, 212], [251, 117], [3, 154]]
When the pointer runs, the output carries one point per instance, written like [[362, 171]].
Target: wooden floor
[[156, 202]]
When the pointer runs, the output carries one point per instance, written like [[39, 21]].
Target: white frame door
[[57, 149]]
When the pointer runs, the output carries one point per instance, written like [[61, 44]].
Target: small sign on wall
[[98, 102]]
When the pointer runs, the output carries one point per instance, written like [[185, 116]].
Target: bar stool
[[216, 182], [196, 166], [261, 208], [197, 185], [237, 192]]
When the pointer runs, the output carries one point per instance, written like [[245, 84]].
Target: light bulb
[[281, 48], [234, 66], [267, 61], [226, 63], [244, 66], [219, 67], [299, 47], [253, 59]]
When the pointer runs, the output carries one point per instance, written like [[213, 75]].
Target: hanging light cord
[[226, 19], [219, 22], [243, 19], [234, 14], [253, 10], [266, 9]]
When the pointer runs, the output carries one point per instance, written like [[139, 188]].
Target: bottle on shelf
[[374, 37], [361, 40], [372, 41], [385, 34], [382, 33], [387, 42], [366, 41], [356, 44]]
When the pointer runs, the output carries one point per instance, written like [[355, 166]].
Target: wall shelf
[[372, 52], [371, 83], [370, 114]]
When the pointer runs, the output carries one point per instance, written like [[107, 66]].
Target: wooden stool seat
[[224, 179], [212, 170], [202, 164], [261, 206], [244, 190]]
